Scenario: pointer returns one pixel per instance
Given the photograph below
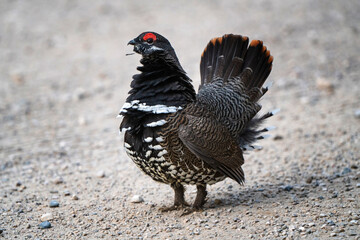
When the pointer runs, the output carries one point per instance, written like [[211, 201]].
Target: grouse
[[178, 137]]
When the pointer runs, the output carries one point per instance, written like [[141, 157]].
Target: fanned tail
[[229, 57], [223, 58]]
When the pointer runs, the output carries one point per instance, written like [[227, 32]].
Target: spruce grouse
[[179, 137]]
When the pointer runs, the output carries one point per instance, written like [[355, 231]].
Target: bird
[[180, 137]]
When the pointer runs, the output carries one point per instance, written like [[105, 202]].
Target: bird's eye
[[149, 38]]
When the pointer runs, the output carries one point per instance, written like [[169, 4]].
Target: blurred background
[[64, 76]]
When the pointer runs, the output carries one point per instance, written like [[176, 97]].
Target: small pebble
[[333, 234], [66, 193], [18, 184], [54, 203], [309, 179], [353, 233], [45, 224], [288, 188], [75, 197], [46, 217], [346, 171], [358, 185], [330, 223], [82, 121], [80, 94], [353, 166], [353, 222], [357, 113], [100, 174], [58, 180], [136, 199], [324, 85], [278, 137]]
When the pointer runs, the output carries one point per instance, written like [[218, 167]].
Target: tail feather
[[234, 69], [232, 48], [230, 57], [259, 60]]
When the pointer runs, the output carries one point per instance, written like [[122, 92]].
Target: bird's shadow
[[261, 195]]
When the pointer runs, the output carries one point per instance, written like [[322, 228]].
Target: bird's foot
[[190, 210], [175, 207]]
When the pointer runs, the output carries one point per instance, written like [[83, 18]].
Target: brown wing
[[212, 143]]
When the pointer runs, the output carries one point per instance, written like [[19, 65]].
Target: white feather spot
[[159, 139], [156, 124], [129, 151], [127, 145], [162, 153], [124, 107], [123, 130], [157, 109], [148, 139], [148, 153], [155, 48], [156, 147], [163, 164]]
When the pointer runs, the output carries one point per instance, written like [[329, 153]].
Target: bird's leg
[[179, 201], [179, 195], [200, 196], [199, 200]]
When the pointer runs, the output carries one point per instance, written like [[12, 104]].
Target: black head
[[151, 43]]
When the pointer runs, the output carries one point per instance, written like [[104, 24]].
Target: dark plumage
[[179, 137]]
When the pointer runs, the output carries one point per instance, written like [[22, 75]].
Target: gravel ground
[[64, 75]]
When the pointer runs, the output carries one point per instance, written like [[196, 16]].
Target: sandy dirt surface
[[64, 76]]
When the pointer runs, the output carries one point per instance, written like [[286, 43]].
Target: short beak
[[132, 42]]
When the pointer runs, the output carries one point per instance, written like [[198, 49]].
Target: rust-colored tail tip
[[219, 39], [271, 58], [254, 43]]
